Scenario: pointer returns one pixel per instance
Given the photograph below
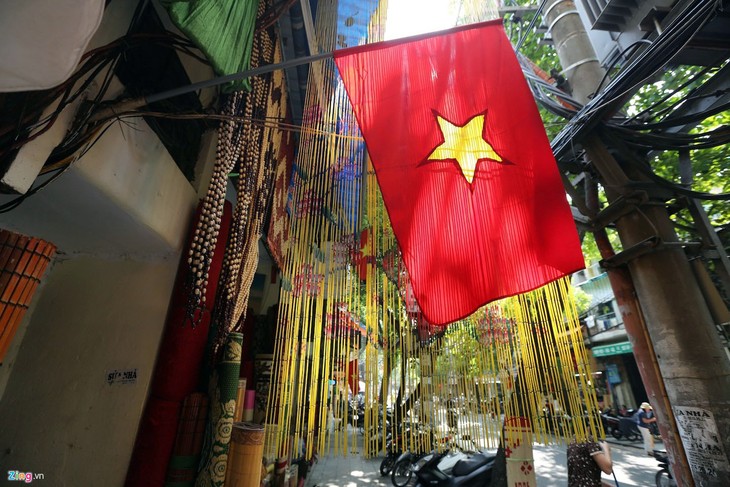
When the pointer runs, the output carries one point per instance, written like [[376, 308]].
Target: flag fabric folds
[[466, 171]]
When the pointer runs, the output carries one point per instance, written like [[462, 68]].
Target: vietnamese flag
[[465, 168]]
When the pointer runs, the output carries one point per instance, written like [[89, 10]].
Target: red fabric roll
[[248, 327], [182, 348], [155, 440], [177, 369], [247, 372]]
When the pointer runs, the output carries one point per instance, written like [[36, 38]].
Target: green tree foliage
[[541, 54], [460, 349], [655, 100], [710, 169], [582, 300]]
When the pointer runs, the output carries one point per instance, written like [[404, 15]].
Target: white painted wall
[[119, 218], [58, 415]]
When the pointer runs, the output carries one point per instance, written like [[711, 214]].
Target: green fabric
[[223, 389], [181, 471], [179, 461], [222, 29]]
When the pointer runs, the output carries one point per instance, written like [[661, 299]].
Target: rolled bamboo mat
[[245, 455], [183, 466], [240, 401], [23, 260]]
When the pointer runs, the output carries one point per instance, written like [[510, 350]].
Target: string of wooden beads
[[241, 257], [209, 223], [254, 188]]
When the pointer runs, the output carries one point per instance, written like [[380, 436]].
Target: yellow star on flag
[[465, 144]]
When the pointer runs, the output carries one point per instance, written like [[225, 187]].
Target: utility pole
[[635, 325], [679, 326]]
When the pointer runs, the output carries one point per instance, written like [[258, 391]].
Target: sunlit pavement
[[631, 465]]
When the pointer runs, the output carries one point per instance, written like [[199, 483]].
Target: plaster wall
[[59, 416], [119, 217]]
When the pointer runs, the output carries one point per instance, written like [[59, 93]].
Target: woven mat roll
[[183, 465], [224, 387], [245, 455]]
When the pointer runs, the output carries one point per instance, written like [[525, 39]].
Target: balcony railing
[[603, 323]]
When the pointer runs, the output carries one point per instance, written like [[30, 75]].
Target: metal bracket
[[623, 257], [623, 205], [651, 244]]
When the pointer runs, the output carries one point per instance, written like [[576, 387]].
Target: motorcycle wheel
[[401, 473], [663, 479], [387, 464], [616, 433]]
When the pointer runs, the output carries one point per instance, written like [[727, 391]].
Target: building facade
[[617, 378]]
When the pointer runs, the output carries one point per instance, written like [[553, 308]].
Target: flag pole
[[236, 76], [134, 103]]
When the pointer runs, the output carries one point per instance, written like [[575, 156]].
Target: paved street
[[631, 466]]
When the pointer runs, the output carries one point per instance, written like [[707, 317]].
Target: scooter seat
[[468, 465]]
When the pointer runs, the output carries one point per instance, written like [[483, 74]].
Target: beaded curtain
[[248, 143], [347, 318]]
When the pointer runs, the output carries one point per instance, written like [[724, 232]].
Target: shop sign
[[613, 376], [615, 349]]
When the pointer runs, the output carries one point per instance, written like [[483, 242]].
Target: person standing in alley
[[452, 414], [645, 418], [586, 461]]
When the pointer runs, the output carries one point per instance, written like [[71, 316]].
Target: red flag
[[465, 168]]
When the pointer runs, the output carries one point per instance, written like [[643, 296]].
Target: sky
[[412, 17]]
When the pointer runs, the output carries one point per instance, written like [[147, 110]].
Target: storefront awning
[[613, 349]]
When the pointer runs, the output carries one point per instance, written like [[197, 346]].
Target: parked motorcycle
[[402, 471], [620, 427], [435, 469], [393, 450], [663, 477], [356, 415]]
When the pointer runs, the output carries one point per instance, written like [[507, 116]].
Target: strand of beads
[[254, 185], [208, 227], [237, 252]]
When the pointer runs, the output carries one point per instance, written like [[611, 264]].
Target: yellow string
[[504, 361]]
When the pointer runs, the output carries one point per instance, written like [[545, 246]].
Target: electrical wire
[[641, 165], [531, 25], [668, 96], [675, 37], [11, 205], [97, 63], [692, 118], [623, 53], [545, 93], [676, 141], [32, 125]]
